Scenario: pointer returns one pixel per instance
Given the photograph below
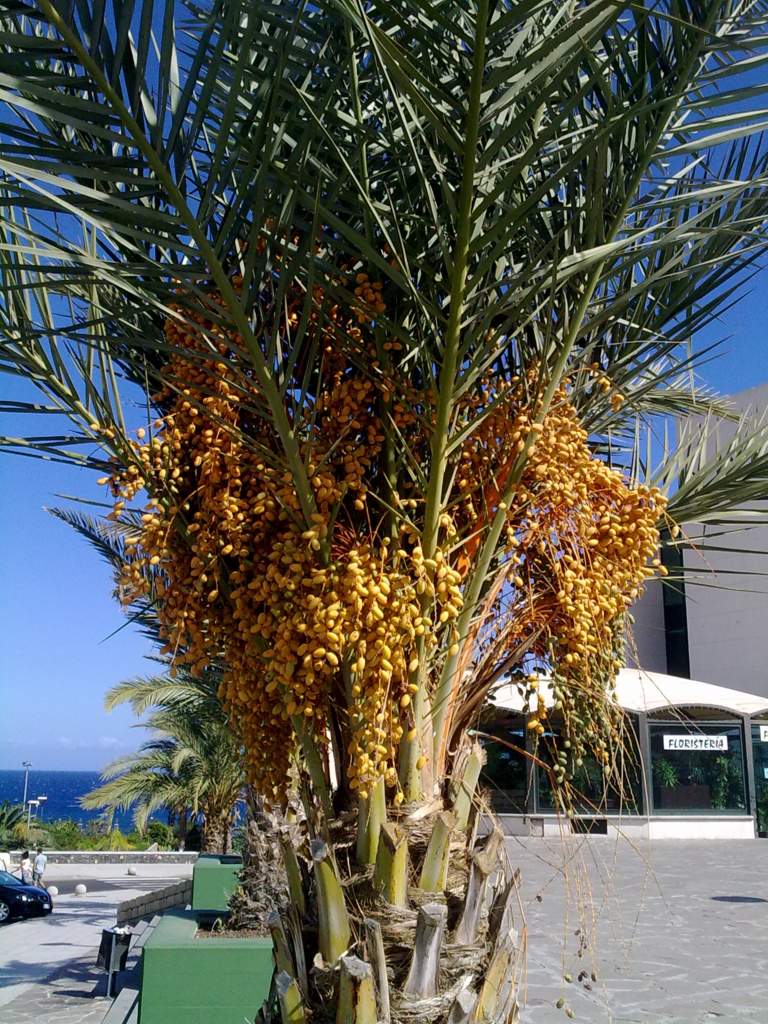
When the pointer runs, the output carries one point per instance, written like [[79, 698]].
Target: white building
[[714, 628], [696, 697]]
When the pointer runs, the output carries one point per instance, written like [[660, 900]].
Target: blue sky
[[57, 611]]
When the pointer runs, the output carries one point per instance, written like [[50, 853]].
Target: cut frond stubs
[[420, 944]]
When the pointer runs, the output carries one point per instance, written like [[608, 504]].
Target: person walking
[[38, 868], [25, 868]]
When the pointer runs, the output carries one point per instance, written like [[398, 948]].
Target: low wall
[[113, 857], [144, 907], [689, 826], [701, 827]]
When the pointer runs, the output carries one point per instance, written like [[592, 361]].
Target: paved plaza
[[675, 932], [48, 971]]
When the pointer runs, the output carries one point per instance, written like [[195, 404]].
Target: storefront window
[[593, 791], [697, 768], [760, 758], [504, 774]]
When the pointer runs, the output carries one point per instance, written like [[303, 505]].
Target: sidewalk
[[676, 932], [47, 965], [74, 995]]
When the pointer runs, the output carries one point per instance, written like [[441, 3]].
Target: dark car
[[19, 900]]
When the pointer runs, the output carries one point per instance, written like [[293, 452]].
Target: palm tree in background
[[11, 824], [191, 766], [401, 298]]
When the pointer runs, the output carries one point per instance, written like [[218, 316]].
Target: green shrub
[[665, 773], [65, 834], [114, 840], [11, 824], [160, 833]]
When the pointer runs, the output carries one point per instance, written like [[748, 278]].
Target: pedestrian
[[25, 868], [5, 861], [38, 869]]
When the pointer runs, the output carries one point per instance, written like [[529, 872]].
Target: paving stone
[[75, 995], [664, 949]]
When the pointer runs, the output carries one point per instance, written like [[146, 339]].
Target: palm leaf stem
[[459, 271], [220, 276], [449, 677]]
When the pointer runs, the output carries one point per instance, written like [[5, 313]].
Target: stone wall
[[150, 903], [113, 857]]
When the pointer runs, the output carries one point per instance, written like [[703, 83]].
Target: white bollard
[[80, 890], [52, 890], [131, 871]]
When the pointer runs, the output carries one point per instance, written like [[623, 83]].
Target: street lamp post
[[41, 800], [26, 765], [36, 804]]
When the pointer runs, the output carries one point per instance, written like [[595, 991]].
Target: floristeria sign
[[696, 742], [764, 733]]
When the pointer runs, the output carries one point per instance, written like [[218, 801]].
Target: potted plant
[[666, 777], [762, 813]]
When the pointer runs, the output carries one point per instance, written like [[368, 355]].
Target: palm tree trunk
[[183, 827], [423, 933], [264, 886], [215, 832]]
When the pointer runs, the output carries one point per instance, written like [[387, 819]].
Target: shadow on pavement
[[738, 899], [82, 972]]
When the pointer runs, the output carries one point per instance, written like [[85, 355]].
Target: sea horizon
[[62, 789]]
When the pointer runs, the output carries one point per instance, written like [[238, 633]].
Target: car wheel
[[5, 912]]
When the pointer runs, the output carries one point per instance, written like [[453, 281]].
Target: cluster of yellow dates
[[310, 618], [580, 541], [305, 618]]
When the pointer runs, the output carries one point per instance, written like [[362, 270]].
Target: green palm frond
[[192, 760], [571, 186], [11, 816], [192, 695], [713, 462], [107, 537]]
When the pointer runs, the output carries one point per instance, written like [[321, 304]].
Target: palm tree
[[405, 293], [11, 824], [192, 764], [149, 779]]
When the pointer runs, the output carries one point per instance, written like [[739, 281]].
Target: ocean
[[62, 790]]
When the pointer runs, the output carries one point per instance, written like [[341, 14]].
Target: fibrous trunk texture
[[447, 950], [264, 885], [215, 834]]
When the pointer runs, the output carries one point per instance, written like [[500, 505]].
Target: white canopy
[[638, 690]]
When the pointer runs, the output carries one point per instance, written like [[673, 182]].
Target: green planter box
[[214, 879], [185, 980]]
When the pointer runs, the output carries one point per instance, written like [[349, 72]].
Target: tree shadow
[[81, 971], [738, 899]]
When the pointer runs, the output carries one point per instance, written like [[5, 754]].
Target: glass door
[[698, 768], [760, 759]]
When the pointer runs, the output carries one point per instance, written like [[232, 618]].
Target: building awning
[[638, 690]]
